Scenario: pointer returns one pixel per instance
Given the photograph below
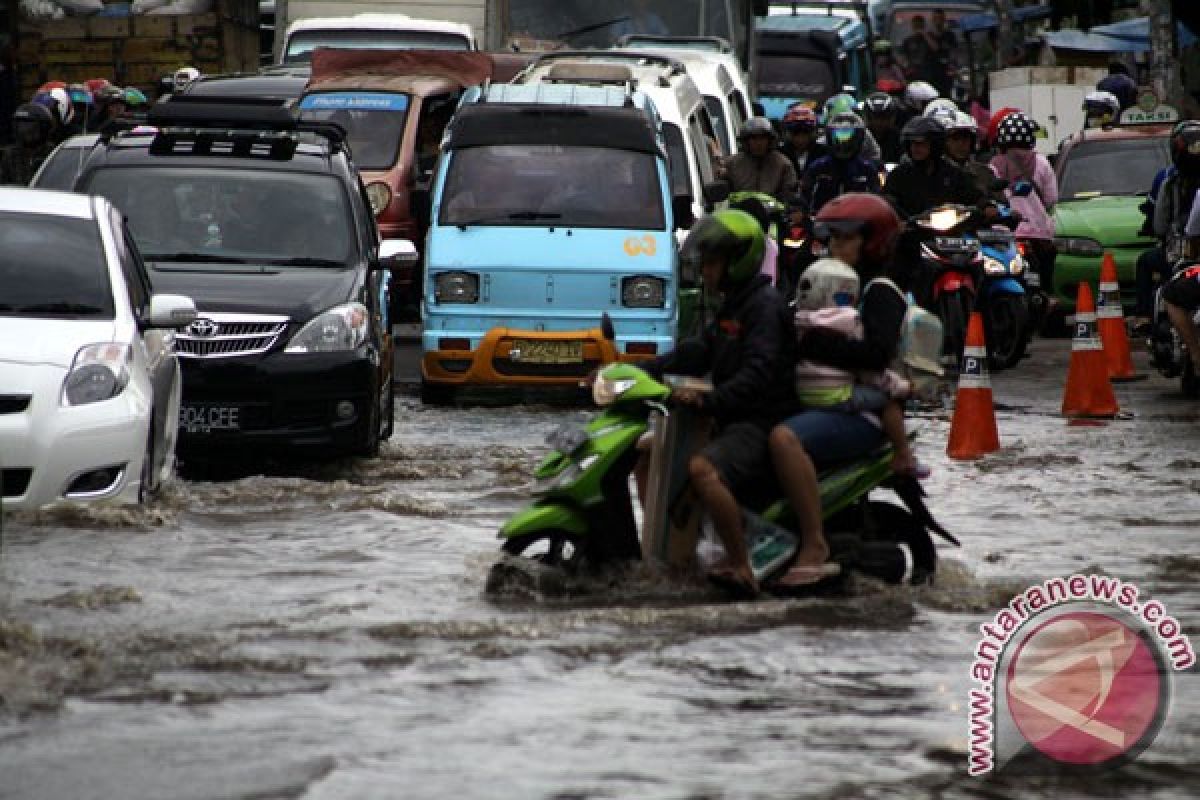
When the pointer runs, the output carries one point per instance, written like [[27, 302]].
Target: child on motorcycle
[[826, 299]]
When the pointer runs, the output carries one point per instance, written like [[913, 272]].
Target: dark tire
[[551, 548], [1006, 322], [539, 563], [1054, 325], [389, 426], [890, 522], [150, 483], [368, 447], [1189, 382], [433, 394], [953, 309]]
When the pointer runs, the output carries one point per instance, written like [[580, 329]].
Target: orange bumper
[[500, 362]]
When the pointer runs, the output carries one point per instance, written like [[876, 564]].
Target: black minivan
[[263, 221]]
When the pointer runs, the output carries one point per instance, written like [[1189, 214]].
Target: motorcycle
[[951, 262], [1002, 299], [1168, 353], [581, 520]]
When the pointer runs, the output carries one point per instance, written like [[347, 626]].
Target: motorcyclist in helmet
[[924, 178], [862, 230], [1120, 85], [748, 351], [843, 170], [801, 128], [1100, 109], [962, 138], [760, 167], [880, 111], [917, 95], [32, 126], [1032, 188], [843, 103]]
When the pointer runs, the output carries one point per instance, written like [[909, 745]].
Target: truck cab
[[804, 54], [551, 206]]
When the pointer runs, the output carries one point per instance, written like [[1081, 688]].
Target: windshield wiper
[[594, 27], [305, 261], [60, 308], [510, 217], [206, 258]]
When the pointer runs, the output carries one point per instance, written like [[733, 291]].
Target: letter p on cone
[[973, 430], [1089, 392]]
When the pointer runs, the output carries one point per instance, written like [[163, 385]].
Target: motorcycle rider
[[1032, 189], [880, 111], [748, 350], [843, 170], [962, 137], [1100, 109], [862, 231], [924, 178], [844, 103], [32, 125], [760, 167], [917, 95], [801, 126]]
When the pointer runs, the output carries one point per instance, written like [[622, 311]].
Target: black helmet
[[1185, 148], [844, 134], [733, 235], [757, 126], [925, 129], [880, 104], [32, 123]]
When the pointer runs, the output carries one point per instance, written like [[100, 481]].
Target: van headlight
[[339, 329], [643, 291], [456, 287], [1017, 265], [379, 194], [99, 372]]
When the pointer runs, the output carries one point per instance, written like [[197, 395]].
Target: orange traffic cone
[[973, 429], [1110, 319], [1088, 393]]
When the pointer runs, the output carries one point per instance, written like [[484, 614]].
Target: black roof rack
[[240, 127], [262, 113]]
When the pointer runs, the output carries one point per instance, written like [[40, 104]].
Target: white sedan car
[[89, 382]]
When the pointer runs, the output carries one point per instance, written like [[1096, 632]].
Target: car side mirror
[[395, 253], [170, 311], [716, 192], [681, 209]]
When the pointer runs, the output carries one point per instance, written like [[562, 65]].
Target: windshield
[[542, 24], [53, 267], [373, 121], [567, 186], [1112, 167], [795, 76], [216, 214], [302, 43]]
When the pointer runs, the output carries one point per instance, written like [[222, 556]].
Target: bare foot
[[737, 579], [904, 463]]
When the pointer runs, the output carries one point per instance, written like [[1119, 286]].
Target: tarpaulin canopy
[[1130, 36], [971, 23]]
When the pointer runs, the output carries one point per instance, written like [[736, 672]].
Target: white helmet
[[827, 283], [944, 116], [963, 122], [940, 104], [66, 113], [919, 93]]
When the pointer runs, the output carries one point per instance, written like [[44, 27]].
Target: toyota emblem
[[202, 328]]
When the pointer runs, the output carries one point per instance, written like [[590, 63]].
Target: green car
[[1103, 176]]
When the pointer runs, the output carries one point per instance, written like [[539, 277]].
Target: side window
[[681, 178], [737, 101], [136, 280], [436, 111], [704, 145]]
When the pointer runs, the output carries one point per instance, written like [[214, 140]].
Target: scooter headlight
[[1017, 265], [605, 391], [992, 266]]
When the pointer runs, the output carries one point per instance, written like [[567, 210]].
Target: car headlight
[[99, 372], [456, 287], [338, 329], [605, 391], [1074, 246], [992, 266], [379, 194], [643, 291]]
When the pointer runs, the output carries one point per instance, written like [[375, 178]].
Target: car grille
[[14, 482], [13, 403], [229, 335]]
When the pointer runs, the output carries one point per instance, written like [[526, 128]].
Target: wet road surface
[[321, 631]]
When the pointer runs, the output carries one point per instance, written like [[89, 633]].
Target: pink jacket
[[1015, 165]]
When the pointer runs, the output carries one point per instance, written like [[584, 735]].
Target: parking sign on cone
[[1089, 393], [973, 430]]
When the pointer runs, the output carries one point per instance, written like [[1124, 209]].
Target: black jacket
[[749, 350], [816, 150], [829, 177], [912, 189]]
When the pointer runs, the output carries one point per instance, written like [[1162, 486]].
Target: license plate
[[206, 419], [1033, 280], [954, 245], [539, 351]]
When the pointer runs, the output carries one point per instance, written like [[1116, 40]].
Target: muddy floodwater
[[322, 632]]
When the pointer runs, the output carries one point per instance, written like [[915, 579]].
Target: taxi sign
[[1158, 115]]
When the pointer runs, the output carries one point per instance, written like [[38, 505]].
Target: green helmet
[[733, 235]]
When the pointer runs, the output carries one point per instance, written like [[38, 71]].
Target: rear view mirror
[[397, 253], [170, 311], [681, 209], [716, 192]]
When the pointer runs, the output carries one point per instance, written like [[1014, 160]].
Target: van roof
[[483, 124], [392, 22], [572, 94]]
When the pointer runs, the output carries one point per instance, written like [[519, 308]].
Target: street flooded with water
[[322, 631]]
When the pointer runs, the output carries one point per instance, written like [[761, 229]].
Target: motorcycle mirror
[[606, 327]]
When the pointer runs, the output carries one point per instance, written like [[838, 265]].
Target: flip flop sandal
[[811, 575], [729, 581]]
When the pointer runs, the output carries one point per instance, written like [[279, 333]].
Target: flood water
[[322, 632]]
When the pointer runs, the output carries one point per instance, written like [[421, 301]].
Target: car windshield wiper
[[207, 258], [595, 26], [511, 216], [305, 261], [60, 308]]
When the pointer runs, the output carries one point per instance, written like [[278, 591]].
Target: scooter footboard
[[545, 517]]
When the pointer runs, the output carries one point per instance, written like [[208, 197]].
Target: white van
[[712, 65], [693, 144], [373, 32]]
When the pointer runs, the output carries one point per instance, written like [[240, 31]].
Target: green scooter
[[581, 518]]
